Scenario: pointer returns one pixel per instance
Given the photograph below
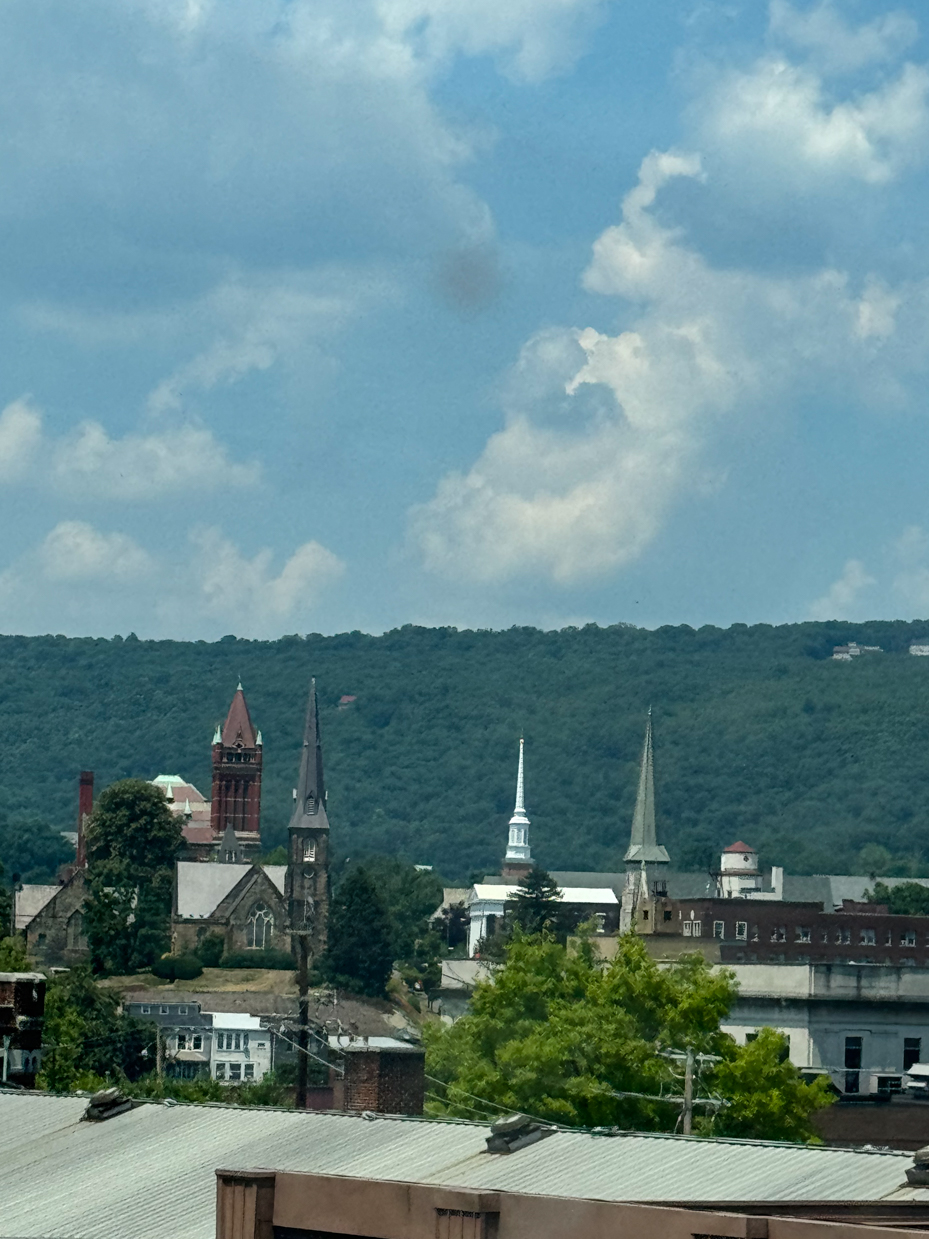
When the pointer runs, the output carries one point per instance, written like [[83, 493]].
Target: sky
[[319, 316]]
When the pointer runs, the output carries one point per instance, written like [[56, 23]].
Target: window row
[[234, 1071], [190, 1041], [803, 933], [232, 1041]]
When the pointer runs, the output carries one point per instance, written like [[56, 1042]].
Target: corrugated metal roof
[[149, 1173]]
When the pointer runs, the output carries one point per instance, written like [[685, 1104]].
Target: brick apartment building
[[22, 1014], [758, 931]]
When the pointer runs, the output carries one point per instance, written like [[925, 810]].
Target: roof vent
[[918, 1173], [515, 1131], [107, 1104]]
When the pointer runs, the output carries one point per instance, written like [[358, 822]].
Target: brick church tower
[[236, 797]]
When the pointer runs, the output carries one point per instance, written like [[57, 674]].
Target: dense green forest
[[759, 735]]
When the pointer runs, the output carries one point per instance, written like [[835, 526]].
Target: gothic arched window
[[309, 849], [76, 939], [259, 927]]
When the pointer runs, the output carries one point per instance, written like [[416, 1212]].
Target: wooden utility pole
[[159, 1055], [688, 1110], [303, 1029]]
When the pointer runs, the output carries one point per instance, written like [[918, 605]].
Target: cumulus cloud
[[88, 463], [532, 38], [837, 45], [247, 591], [604, 433], [842, 600], [75, 551], [779, 119]]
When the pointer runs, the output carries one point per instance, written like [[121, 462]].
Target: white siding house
[[241, 1048]]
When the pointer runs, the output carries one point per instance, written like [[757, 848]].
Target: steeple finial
[[643, 839], [518, 840]]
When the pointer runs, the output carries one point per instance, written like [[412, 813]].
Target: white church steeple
[[518, 855]]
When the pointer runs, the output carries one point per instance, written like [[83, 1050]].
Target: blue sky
[[318, 316]]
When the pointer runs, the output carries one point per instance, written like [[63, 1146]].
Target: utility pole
[[687, 1112], [303, 1030], [159, 1055]]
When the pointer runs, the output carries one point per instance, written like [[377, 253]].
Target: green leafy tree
[[13, 957], [87, 1039], [411, 896], [767, 1096], [567, 1038], [359, 956], [904, 899], [132, 841]]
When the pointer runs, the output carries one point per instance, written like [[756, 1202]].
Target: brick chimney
[[85, 806], [384, 1079]]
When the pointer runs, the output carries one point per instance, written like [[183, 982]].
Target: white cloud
[[533, 38], [605, 433], [836, 44], [778, 119], [20, 438], [247, 592], [75, 551], [843, 597], [89, 464]]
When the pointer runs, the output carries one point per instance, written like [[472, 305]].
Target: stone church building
[[219, 885]]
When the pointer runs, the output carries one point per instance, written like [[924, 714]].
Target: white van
[[916, 1080]]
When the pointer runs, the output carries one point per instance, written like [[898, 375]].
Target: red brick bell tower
[[236, 799]]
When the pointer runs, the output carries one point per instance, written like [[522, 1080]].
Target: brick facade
[[768, 931], [22, 1013], [384, 1080]]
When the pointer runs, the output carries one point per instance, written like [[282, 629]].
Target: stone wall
[[55, 936]]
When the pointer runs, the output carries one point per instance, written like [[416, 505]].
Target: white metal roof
[[569, 894], [233, 1019], [149, 1173]]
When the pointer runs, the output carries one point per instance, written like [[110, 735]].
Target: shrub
[[210, 950], [257, 959], [177, 967]]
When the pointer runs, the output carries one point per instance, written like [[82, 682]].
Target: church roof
[[30, 900], [201, 886], [643, 840], [310, 799], [238, 728]]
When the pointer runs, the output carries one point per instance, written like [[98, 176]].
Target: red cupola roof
[[738, 847]]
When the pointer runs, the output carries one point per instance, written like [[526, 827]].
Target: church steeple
[[643, 839], [518, 859], [236, 794], [306, 883]]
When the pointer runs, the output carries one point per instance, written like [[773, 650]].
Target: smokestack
[[85, 806]]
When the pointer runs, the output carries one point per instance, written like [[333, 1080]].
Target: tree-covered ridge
[[758, 734]]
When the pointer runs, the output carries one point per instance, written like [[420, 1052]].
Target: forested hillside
[[758, 735]]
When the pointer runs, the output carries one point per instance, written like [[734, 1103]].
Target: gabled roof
[[202, 887], [30, 900], [238, 728]]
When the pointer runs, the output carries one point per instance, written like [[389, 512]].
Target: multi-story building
[[186, 1032], [22, 1013], [241, 1048]]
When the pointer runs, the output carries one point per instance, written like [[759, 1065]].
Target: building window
[[755, 934], [853, 1047], [889, 938], [719, 929], [75, 931], [908, 937], [249, 1071], [912, 1048], [866, 937], [235, 1071], [220, 1071], [219, 1041], [146, 1010], [182, 1041], [197, 1042], [824, 935], [779, 933], [667, 914], [698, 929], [803, 933], [259, 927], [165, 1009], [600, 922], [309, 850], [182, 1010], [236, 1041], [741, 930], [688, 928], [843, 936]]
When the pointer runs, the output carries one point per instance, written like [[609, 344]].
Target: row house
[[227, 1046]]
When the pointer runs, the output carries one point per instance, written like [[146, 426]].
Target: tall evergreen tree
[[132, 841], [359, 956], [537, 903]]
